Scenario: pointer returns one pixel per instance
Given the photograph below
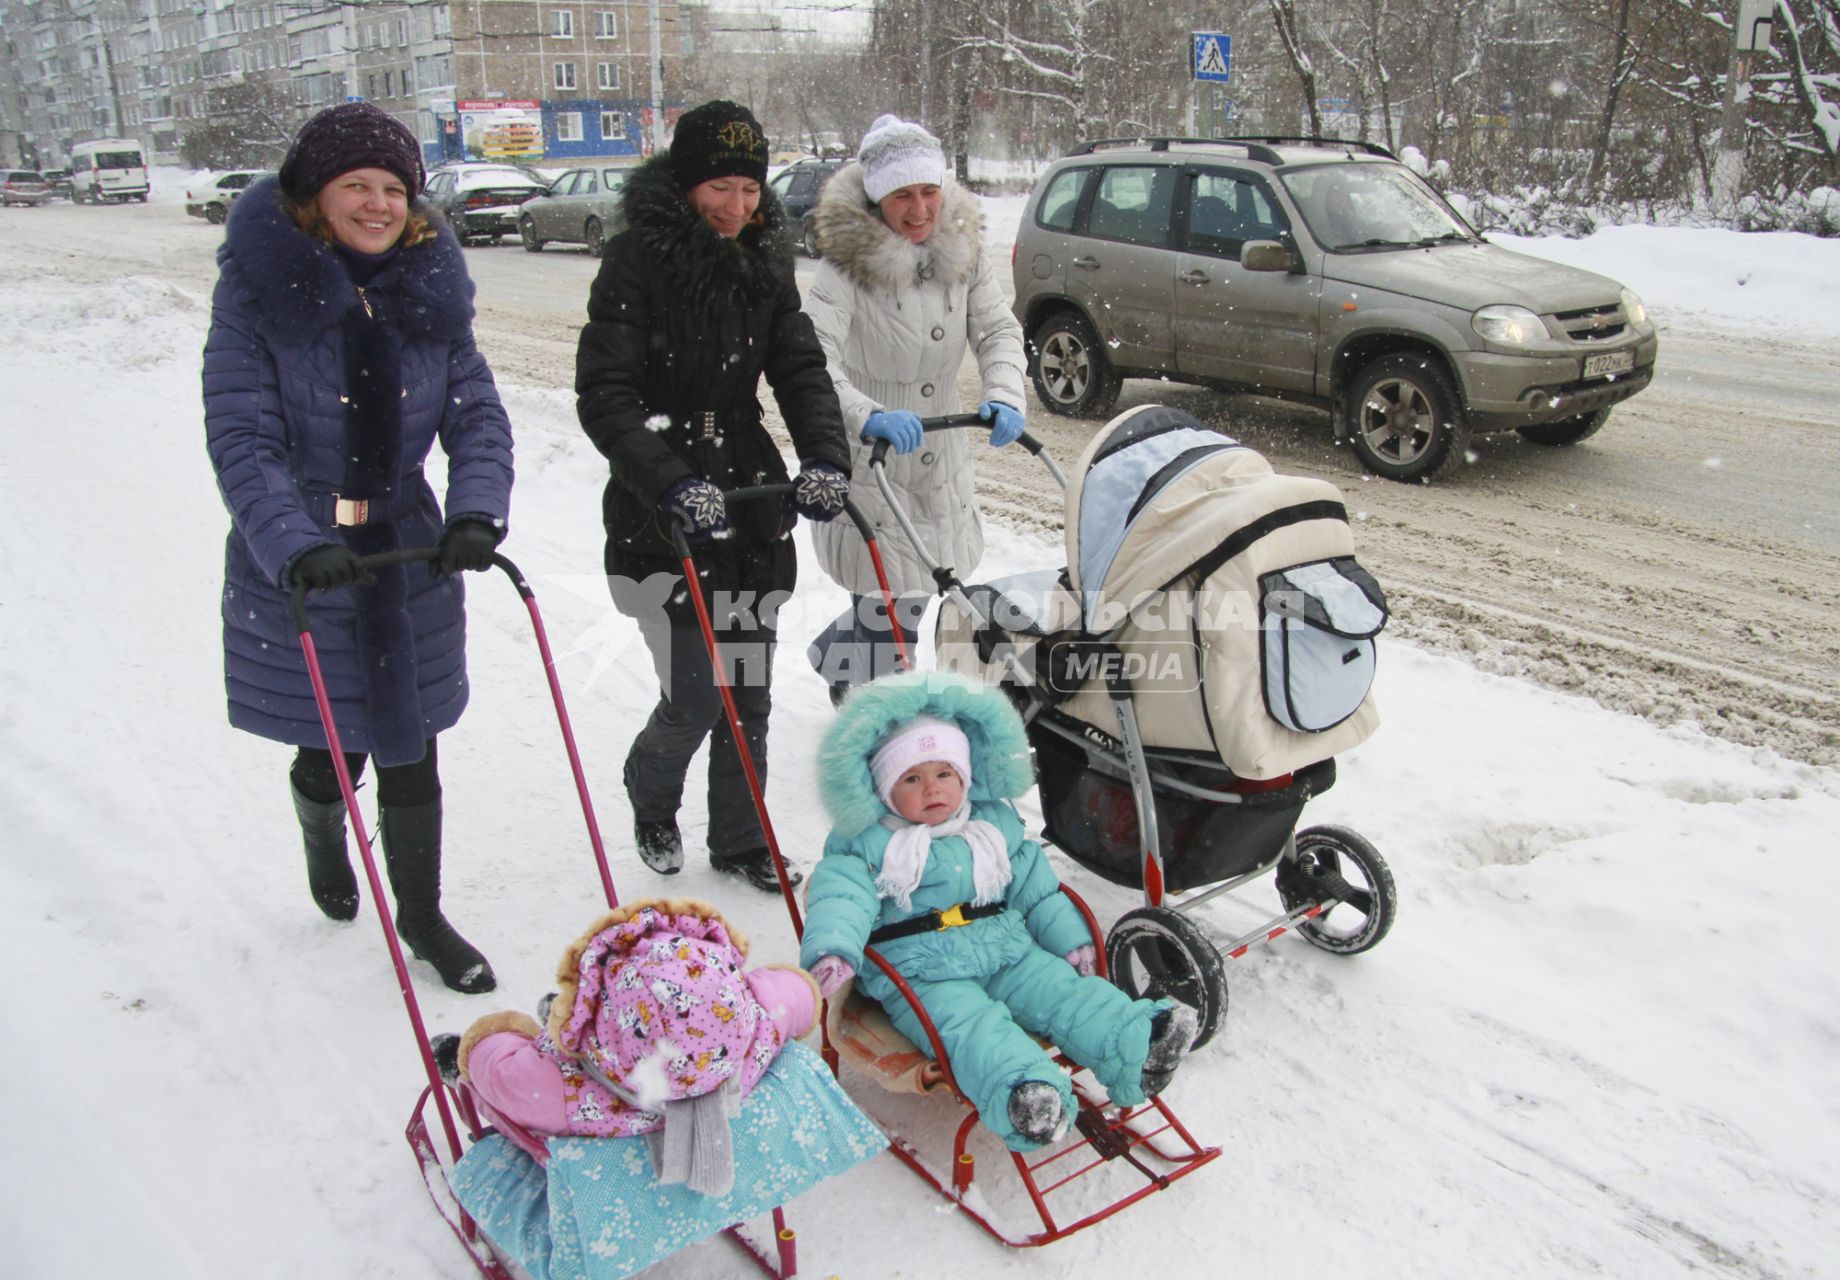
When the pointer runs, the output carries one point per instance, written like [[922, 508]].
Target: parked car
[[23, 186], [213, 200], [60, 182], [582, 206], [1318, 270], [480, 199], [108, 169], [797, 187]]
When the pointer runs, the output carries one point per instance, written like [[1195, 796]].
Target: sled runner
[[515, 1221], [1185, 682], [1147, 1140]]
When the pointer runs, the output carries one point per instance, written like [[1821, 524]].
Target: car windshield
[[1371, 206], [473, 179]]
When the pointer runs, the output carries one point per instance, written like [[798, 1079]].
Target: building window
[[370, 86], [568, 126], [564, 22], [613, 125], [607, 75], [565, 75], [402, 32], [606, 26]]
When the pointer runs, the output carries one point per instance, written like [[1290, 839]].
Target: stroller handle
[[878, 456], [753, 492], [297, 605]]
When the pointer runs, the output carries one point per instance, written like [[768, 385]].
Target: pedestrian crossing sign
[[1213, 52]]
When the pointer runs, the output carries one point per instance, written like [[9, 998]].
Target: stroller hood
[[1000, 768], [1156, 493]]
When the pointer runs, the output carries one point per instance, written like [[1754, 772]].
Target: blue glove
[[820, 491], [698, 505], [1007, 422], [897, 426]]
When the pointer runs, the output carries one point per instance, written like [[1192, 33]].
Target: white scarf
[[905, 858]]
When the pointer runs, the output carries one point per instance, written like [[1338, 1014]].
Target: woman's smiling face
[[726, 204], [912, 211], [365, 209]]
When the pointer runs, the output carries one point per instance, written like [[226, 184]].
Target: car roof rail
[[1252, 146], [1305, 140]]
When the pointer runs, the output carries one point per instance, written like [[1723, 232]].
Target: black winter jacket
[[682, 323]]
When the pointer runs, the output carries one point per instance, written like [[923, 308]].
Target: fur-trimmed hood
[[851, 234], [1000, 766], [298, 287], [712, 270]]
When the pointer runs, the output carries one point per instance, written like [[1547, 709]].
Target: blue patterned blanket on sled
[[597, 1213]]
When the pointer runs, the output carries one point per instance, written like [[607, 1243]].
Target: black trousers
[[402, 784], [689, 708]]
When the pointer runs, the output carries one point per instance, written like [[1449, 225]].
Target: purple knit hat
[[352, 135]]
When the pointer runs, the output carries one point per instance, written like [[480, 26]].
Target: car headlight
[[1633, 308], [1509, 325]]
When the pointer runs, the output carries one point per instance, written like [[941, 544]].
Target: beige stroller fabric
[[1173, 582]]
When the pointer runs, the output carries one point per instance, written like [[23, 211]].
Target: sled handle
[[878, 455], [297, 605]]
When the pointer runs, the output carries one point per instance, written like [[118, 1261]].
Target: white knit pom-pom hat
[[898, 153]]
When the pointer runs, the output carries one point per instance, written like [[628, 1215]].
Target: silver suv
[[1315, 270]]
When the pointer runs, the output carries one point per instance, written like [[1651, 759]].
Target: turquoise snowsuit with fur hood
[[988, 984]]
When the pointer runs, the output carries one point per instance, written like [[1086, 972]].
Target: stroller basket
[[1210, 825]]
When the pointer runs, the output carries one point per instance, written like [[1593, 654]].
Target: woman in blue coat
[[928, 862], [340, 348]]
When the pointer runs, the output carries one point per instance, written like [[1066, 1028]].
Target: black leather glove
[[330, 565], [820, 491], [698, 506], [467, 545]]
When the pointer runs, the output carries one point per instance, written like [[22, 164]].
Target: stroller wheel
[[1337, 863], [1154, 952]]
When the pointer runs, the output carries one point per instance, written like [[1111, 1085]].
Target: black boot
[[412, 851], [754, 866], [1035, 1111], [1172, 1031], [329, 874], [660, 846]]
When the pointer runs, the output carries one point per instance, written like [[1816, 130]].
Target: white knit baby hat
[[898, 153]]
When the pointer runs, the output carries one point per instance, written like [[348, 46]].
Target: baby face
[[929, 793]]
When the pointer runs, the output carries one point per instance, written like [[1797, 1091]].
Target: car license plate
[[1609, 362]]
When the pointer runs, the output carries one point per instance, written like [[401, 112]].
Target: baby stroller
[[1186, 682]]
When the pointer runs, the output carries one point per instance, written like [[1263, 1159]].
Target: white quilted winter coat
[[894, 319]]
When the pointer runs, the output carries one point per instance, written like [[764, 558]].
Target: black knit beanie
[[718, 140], [352, 135]]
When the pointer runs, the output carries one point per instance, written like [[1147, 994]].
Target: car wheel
[[594, 237], [214, 214], [1565, 430], [1072, 376], [527, 234], [809, 239], [1403, 417]]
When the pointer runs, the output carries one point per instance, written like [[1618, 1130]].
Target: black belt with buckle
[[934, 921]]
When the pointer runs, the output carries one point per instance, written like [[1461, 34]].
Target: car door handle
[[1087, 261], [1196, 276]]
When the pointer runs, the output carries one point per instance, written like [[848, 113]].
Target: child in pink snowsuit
[[655, 1026]]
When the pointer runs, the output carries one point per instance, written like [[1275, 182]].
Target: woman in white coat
[[905, 287]]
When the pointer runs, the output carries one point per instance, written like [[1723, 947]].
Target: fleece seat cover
[[598, 1213]]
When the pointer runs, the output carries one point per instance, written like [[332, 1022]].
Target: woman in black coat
[[693, 303]]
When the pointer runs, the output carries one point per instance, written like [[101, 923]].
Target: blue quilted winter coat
[[315, 389]]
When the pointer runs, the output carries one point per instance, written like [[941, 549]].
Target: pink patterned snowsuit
[[652, 1000]]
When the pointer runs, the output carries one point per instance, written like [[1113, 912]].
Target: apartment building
[[526, 79]]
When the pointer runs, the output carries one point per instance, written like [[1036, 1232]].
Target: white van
[[108, 169]]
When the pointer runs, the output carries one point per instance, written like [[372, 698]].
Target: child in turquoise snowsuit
[[917, 772]]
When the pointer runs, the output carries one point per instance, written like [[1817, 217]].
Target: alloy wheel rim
[[1396, 420], [1065, 367]]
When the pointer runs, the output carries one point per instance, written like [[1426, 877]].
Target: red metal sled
[[1102, 1134], [783, 1264]]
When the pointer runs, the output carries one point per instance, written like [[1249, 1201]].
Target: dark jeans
[[689, 707], [859, 646], [402, 784]]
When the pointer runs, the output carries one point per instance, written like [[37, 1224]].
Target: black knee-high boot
[[329, 873], [412, 852]]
